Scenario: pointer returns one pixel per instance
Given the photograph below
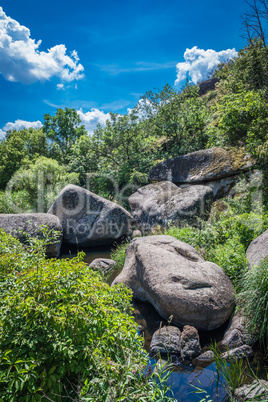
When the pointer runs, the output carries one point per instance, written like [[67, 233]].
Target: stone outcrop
[[178, 282], [203, 165], [165, 342], [160, 203], [207, 85], [23, 225], [89, 220], [258, 249], [190, 343], [216, 167]]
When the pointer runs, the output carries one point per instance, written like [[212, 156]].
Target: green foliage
[[62, 130], [64, 333], [17, 147], [119, 255], [39, 183], [254, 300]]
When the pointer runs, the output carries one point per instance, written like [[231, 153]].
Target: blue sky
[[124, 49]]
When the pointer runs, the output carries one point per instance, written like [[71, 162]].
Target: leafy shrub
[[64, 333], [254, 300]]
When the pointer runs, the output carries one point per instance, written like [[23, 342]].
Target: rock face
[[178, 282], [190, 343], [103, 265], [258, 249], [89, 220], [165, 341], [207, 85], [164, 202], [258, 390], [17, 224], [202, 166]]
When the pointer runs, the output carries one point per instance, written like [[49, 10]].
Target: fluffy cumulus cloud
[[92, 118], [22, 61], [199, 63], [19, 125]]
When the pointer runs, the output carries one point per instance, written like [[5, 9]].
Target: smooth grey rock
[[103, 265], [258, 249], [164, 202], [258, 390], [89, 220], [242, 352], [165, 341], [17, 224], [190, 343], [178, 282], [203, 165]]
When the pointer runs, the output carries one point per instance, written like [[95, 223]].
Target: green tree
[[18, 147], [62, 130]]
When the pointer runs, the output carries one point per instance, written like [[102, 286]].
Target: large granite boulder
[[178, 282], [23, 225], [164, 202], [89, 220], [258, 249], [202, 166]]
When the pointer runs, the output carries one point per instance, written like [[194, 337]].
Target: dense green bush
[[64, 333], [254, 300]]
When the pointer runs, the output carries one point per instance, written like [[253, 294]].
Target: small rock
[[258, 389], [205, 359], [237, 334], [136, 233], [242, 352], [165, 341], [103, 265], [190, 343]]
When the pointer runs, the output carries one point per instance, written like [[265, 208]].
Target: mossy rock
[[204, 165]]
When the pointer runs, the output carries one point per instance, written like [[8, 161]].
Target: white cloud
[[60, 87], [92, 118], [199, 63], [2, 134], [19, 125], [21, 60]]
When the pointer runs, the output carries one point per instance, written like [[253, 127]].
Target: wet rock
[[178, 282], [190, 343], [258, 249], [164, 202], [31, 224], [89, 220], [165, 342], [203, 165], [242, 352], [103, 265], [258, 390], [205, 359]]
